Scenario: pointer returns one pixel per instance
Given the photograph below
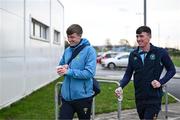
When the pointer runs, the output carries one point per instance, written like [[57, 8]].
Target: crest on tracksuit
[[135, 58], [152, 57]]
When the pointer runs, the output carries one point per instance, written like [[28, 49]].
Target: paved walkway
[[173, 114]]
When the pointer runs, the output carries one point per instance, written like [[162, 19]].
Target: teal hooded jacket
[[78, 82]]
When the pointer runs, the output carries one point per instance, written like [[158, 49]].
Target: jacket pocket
[[154, 92]]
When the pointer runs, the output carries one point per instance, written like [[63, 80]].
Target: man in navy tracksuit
[[147, 63]]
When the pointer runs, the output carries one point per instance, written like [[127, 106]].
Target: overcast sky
[[119, 19]]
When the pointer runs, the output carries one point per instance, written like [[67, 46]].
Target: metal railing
[[166, 101], [58, 102], [119, 101]]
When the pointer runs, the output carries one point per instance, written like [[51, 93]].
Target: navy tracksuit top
[[144, 73]]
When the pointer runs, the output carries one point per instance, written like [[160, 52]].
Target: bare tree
[[135, 44], [124, 42], [66, 42], [108, 44]]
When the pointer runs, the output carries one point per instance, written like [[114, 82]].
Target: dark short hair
[[143, 29], [74, 28]]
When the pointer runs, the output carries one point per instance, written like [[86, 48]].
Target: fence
[[58, 102]]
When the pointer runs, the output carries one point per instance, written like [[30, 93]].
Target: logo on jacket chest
[[152, 57], [78, 57], [135, 58]]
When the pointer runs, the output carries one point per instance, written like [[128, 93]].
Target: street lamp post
[[145, 12]]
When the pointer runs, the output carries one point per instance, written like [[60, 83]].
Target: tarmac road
[[109, 74], [173, 85]]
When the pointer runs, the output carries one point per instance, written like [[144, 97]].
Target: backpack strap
[[76, 52]]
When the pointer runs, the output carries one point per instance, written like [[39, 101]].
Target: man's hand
[[61, 70], [119, 92], [66, 66], [156, 84]]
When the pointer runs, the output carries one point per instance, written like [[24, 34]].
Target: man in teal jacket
[[77, 88]]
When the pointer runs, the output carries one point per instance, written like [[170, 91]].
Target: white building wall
[[11, 51], [26, 63], [37, 51]]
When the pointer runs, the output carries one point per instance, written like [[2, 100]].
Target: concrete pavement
[[173, 114]]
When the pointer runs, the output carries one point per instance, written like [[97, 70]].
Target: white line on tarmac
[[174, 97], [176, 118]]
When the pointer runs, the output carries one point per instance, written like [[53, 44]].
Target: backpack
[[96, 87]]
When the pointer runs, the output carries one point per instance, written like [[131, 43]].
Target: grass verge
[[176, 61], [40, 104]]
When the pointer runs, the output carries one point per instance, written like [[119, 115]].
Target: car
[[120, 60], [106, 55], [99, 56]]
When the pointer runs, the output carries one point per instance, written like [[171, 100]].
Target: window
[[39, 30], [56, 37]]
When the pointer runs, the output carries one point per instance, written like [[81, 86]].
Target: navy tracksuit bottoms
[[81, 107], [148, 111]]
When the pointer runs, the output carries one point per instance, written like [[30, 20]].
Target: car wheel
[[111, 66]]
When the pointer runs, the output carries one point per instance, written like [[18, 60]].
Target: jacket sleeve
[[169, 66], [128, 74], [89, 69]]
